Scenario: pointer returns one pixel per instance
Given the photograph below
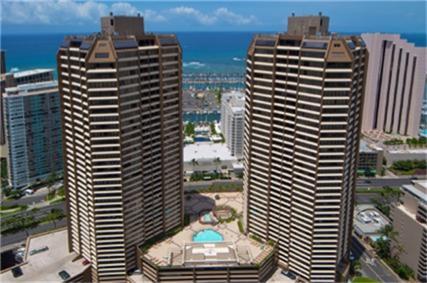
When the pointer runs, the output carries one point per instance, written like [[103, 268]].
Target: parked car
[[85, 262], [17, 271], [29, 191], [64, 275], [36, 251], [289, 274]]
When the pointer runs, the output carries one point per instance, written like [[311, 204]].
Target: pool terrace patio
[[234, 257], [237, 248]]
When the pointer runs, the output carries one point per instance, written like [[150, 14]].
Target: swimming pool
[[207, 236], [207, 217], [377, 237]]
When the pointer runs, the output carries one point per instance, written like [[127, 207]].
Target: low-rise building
[[207, 157], [409, 221], [370, 158], [368, 222], [46, 256], [208, 251], [399, 153], [33, 132], [232, 121]]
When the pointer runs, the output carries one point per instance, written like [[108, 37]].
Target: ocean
[[203, 52]]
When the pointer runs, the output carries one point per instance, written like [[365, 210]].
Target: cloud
[[67, 11], [58, 12], [234, 18], [219, 15], [196, 14]]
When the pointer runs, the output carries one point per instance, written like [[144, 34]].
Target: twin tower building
[[121, 98]]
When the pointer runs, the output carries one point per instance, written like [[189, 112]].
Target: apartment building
[[122, 125], [32, 121], [394, 85], [304, 97], [232, 121], [410, 222]]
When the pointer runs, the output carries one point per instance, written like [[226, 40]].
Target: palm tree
[[50, 181], [217, 162], [388, 243], [194, 162], [54, 215]]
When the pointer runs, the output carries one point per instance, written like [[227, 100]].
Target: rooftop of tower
[[125, 32]]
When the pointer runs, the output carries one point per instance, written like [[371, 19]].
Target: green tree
[[355, 268], [54, 215], [3, 173], [51, 180], [213, 130], [189, 129], [389, 196], [15, 194], [194, 162], [217, 162], [218, 94]]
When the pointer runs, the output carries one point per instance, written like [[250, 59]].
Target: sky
[[70, 16]]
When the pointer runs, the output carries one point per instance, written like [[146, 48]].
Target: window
[[101, 55]]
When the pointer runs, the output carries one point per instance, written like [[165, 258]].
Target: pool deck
[[237, 248]]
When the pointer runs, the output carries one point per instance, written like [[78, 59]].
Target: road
[[40, 213], [382, 182], [22, 236], [371, 267], [366, 197], [190, 186], [38, 196]]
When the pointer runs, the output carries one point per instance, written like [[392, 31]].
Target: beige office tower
[[302, 124], [394, 85], [121, 106]]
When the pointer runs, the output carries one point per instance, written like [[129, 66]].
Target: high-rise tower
[[394, 86], [121, 106], [302, 126]]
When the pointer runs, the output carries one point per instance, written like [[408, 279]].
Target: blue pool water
[[423, 133], [377, 237], [207, 236], [201, 139], [207, 217]]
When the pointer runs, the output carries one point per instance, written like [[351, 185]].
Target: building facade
[[370, 159], [13, 79], [308, 25], [394, 86], [122, 125], [301, 140], [232, 121], [32, 119], [410, 222]]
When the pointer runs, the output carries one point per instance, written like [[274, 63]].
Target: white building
[[232, 121]]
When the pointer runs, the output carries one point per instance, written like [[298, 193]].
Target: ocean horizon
[[203, 52]]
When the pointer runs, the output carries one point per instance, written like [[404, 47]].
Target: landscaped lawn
[[363, 280]]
